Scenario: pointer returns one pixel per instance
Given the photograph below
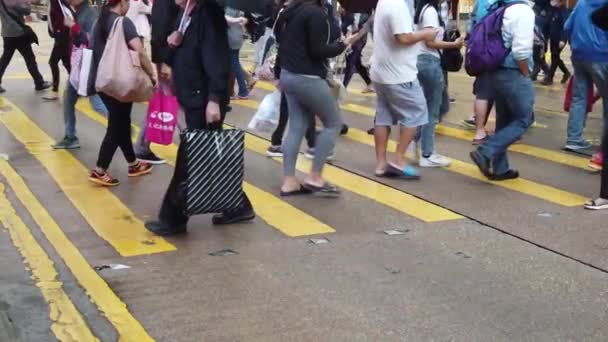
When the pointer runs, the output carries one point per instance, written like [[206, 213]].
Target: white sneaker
[[50, 96], [435, 160]]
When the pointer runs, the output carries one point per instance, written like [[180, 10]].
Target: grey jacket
[[11, 28]]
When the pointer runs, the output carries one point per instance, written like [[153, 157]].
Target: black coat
[[201, 64], [163, 20]]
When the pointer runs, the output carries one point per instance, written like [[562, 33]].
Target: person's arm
[[440, 44], [519, 21], [136, 45], [412, 38], [430, 19], [215, 54], [318, 32]]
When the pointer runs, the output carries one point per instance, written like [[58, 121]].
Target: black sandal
[[327, 189], [301, 191]]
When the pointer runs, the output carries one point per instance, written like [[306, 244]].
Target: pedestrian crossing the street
[[355, 247]]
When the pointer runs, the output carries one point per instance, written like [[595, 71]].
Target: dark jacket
[[303, 31], [201, 64], [85, 18], [164, 21], [56, 20], [556, 18]]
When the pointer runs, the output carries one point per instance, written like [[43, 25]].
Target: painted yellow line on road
[[364, 187], [66, 322], [127, 327], [533, 151], [284, 217], [108, 216], [521, 185]]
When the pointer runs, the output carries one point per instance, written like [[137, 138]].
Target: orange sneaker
[[103, 179], [139, 169]]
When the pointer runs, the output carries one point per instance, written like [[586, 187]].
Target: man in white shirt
[[400, 99]]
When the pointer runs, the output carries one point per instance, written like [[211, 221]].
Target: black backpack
[[451, 59]]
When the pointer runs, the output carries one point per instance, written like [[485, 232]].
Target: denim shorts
[[482, 88], [402, 104]]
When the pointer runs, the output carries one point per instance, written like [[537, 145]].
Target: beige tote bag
[[120, 73]]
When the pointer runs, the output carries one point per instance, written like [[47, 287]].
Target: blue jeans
[[513, 95], [430, 75], [598, 73], [237, 70], [584, 74], [69, 109]]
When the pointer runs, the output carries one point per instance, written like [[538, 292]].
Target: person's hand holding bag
[[212, 113]]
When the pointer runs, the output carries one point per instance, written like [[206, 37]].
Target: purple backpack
[[486, 50]]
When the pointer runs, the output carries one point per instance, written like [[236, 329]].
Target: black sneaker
[[67, 144], [566, 78], [511, 174], [274, 152], [233, 217], [482, 163], [43, 86], [151, 158], [163, 229], [344, 130], [2, 90]]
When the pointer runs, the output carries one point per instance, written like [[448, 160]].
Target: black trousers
[[277, 135], [118, 133], [24, 47], [556, 60], [172, 211], [354, 61], [539, 62], [60, 53]]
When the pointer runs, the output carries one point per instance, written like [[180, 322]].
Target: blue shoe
[[408, 172], [577, 146]]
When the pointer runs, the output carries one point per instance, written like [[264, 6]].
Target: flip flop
[[327, 189], [597, 204], [408, 172], [388, 174], [301, 191]]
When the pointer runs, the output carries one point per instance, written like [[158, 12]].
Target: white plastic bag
[[266, 118], [85, 71]]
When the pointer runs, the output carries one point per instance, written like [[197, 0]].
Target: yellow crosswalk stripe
[[66, 322], [533, 151], [521, 185], [527, 187], [364, 187], [105, 213], [127, 327], [284, 217]]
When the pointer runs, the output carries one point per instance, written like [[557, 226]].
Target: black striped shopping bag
[[215, 170]]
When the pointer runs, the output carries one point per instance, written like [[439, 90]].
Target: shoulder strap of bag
[[12, 16]]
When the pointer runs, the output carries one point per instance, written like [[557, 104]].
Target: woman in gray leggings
[[304, 30], [308, 96]]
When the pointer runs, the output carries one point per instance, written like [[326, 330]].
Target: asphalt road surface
[[471, 260]]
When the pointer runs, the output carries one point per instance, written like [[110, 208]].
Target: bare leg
[[481, 117], [406, 136], [381, 134]]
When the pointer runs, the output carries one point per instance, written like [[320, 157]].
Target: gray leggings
[[308, 97]]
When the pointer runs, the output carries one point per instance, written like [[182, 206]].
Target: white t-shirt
[[393, 63], [430, 18]]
